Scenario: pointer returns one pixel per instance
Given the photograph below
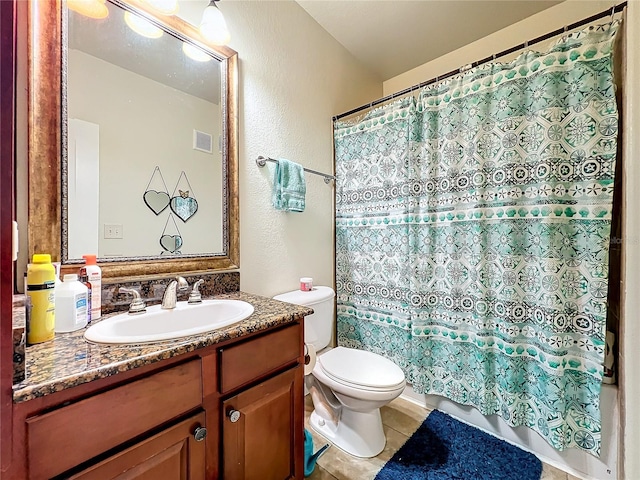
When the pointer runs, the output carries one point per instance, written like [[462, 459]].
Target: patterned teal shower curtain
[[472, 236], [373, 275]]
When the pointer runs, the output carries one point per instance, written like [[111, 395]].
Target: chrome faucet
[[170, 294]]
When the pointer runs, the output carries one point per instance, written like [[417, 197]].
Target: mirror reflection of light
[[195, 53], [213, 26], [165, 7], [89, 8], [142, 26]]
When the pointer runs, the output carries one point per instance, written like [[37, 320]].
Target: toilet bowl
[[347, 386], [361, 382]]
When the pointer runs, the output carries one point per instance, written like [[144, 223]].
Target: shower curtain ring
[[613, 12]]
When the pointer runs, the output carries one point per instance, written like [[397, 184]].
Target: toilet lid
[[359, 367]]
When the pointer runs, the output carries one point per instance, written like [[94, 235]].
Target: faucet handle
[[181, 284], [137, 305], [195, 296]]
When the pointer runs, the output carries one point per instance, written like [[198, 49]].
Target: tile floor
[[400, 419]]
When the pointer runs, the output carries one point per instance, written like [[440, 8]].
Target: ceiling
[[391, 37]]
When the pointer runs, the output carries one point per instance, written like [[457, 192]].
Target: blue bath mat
[[445, 449]]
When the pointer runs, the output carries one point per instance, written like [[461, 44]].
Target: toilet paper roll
[[309, 358]]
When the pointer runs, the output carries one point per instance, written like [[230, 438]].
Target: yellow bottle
[[41, 282]]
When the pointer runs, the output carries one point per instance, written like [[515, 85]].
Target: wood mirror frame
[[45, 80]]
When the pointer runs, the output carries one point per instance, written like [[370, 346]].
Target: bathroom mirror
[[132, 141]]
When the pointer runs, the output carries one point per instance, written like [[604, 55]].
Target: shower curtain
[[472, 235]]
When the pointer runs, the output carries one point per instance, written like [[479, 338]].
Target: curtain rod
[[612, 11]]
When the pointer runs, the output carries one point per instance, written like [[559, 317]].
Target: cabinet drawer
[[63, 438], [244, 362]]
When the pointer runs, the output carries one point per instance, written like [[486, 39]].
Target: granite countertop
[[69, 360]]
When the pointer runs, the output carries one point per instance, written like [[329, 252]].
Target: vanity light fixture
[[195, 53], [89, 8], [142, 26], [165, 7], [213, 26]]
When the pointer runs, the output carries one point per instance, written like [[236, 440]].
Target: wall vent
[[202, 141]]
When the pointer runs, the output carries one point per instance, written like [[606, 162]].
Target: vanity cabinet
[[232, 410]]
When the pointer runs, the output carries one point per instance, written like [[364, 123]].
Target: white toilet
[[347, 386]]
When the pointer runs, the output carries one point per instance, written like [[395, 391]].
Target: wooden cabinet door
[[173, 454], [263, 430]]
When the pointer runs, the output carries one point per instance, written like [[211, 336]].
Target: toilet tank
[[318, 327]]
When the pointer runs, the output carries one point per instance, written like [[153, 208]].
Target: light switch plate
[[112, 230]]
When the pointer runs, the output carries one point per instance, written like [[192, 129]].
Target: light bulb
[[195, 53], [213, 27], [142, 26], [165, 7], [89, 8]]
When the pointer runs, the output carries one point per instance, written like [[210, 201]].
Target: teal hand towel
[[289, 187]]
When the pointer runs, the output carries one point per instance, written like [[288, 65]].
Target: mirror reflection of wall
[[133, 104]]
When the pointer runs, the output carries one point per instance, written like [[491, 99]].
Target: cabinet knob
[[234, 415], [199, 433]]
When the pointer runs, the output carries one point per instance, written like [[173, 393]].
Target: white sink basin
[[157, 324]]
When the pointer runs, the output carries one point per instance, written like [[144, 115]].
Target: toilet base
[[358, 433]]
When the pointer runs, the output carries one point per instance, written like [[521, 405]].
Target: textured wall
[[293, 78]]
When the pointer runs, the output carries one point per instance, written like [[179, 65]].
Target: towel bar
[[262, 161]]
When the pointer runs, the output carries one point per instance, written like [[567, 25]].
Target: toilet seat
[[360, 369]]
